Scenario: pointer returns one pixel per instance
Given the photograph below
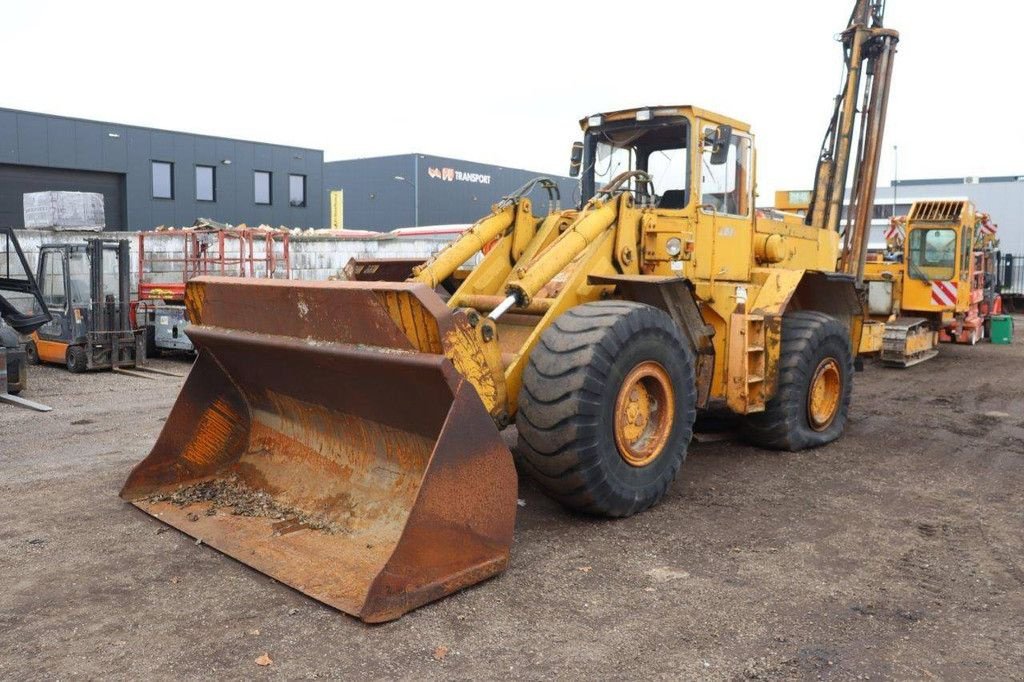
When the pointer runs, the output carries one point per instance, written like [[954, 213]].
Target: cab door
[[725, 207], [53, 338]]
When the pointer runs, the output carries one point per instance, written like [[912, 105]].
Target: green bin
[[1001, 327]]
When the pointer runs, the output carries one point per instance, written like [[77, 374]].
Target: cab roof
[[667, 111]]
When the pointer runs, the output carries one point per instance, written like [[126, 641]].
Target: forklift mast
[[109, 315]]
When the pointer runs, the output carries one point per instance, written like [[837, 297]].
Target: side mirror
[[575, 159], [720, 144]]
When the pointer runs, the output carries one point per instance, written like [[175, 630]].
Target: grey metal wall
[[449, 191], [41, 140], [373, 198]]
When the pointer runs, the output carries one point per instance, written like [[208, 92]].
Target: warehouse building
[[386, 192], [152, 177]]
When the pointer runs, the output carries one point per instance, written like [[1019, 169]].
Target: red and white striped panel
[[944, 293], [988, 228], [892, 232]]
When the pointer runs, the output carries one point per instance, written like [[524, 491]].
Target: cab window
[[932, 254], [966, 250], [111, 281], [660, 149], [78, 267], [51, 280], [611, 160], [725, 187]]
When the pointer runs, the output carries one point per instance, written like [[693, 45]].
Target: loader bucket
[[323, 438]]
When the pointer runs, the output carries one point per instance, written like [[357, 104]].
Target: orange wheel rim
[[644, 412], [825, 393]]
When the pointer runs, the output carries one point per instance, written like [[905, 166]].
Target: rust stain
[[217, 428]]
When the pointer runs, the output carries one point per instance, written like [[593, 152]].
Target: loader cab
[[659, 145], [690, 154], [701, 192]]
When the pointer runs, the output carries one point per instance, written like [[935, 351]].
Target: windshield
[[931, 254], [660, 149]]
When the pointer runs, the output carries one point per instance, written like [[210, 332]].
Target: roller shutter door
[[17, 180]]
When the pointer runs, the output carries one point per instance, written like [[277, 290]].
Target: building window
[[297, 190], [261, 187], [163, 180], [206, 185]]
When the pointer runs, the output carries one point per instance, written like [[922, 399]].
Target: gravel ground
[[897, 552]]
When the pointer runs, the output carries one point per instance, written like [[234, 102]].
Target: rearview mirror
[[720, 144], [575, 159]]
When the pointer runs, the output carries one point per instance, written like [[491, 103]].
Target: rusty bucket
[[324, 439]]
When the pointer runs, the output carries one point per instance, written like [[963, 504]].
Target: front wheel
[[812, 399], [607, 407], [76, 360], [32, 353]]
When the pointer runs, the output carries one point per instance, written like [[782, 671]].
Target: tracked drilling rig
[[935, 282], [363, 417]]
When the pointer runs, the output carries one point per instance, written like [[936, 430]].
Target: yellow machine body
[[343, 436], [941, 243], [733, 257]]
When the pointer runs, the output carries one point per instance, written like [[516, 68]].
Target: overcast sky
[[506, 82]]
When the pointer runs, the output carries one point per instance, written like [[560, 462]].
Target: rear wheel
[[812, 400], [76, 360], [32, 353], [16, 375], [607, 407]]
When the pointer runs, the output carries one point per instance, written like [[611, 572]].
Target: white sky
[[506, 82]]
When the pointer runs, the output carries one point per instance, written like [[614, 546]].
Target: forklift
[[86, 287]]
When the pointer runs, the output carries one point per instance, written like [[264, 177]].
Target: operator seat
[[673, 198]]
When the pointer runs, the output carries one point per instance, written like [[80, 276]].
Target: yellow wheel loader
[[343, 437]]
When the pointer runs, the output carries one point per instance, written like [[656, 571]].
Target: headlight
[[643, 115], [674, 246], [594, 121]]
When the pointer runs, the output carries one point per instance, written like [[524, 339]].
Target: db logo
[[446, 174]]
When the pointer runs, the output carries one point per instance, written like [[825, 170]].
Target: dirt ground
[[897, 552]]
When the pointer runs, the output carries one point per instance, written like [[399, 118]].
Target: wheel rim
[[825, 394], [644, 411]]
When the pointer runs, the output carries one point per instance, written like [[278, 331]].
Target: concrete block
[[64, 211]]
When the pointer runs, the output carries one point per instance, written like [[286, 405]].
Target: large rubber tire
[[809, 339], [75, 359], [32, 353], [567, 406]]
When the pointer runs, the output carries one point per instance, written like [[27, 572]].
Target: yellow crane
[[343, 437]]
